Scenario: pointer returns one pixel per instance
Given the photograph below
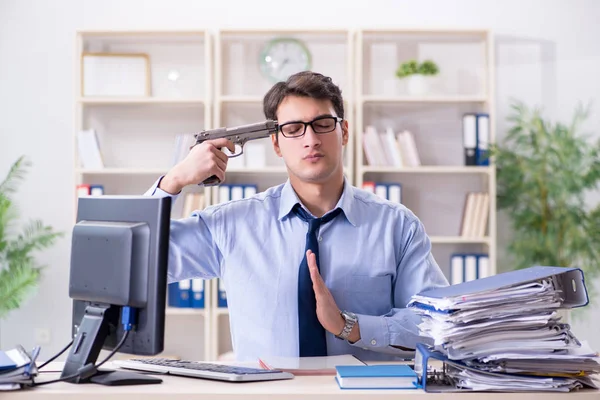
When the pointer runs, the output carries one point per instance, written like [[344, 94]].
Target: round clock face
[[284, 57]]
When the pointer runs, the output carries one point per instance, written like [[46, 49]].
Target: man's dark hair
[[304, 84]]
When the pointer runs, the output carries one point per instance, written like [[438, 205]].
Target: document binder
[[569, 280], [432, 369], [502, 333]]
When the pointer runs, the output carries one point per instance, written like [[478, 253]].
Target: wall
[[546, 54]]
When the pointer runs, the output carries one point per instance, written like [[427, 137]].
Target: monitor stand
[[87, 344]]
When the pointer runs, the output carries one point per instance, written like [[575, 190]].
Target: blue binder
[[179, 294], [197, 291], [483, 139], [222, 294], [570, 280]]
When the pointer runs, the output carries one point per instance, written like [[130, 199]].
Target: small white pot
[[417, 84]]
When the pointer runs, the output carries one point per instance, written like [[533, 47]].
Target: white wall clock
[[282, 57]]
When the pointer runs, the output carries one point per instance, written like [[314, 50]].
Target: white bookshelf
[[136, 136], [223, 86], [436, 190], [239, 91]]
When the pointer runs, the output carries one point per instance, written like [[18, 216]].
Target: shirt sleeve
[[417, 271], [156, 191], [193, 248]]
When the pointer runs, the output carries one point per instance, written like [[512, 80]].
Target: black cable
[[89, 369], [128, 320], [112, 353], [56, 355]]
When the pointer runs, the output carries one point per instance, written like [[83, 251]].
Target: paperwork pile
[[17, 368], [507, 329]]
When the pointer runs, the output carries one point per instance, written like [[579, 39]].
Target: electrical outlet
[[42, 336]]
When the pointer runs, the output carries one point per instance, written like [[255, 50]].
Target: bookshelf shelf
[[144, 100], [459, 240], [266, 171], [240, 99], [185, 311], [123, 171], [221, 311], [429, 169], [421, 99]]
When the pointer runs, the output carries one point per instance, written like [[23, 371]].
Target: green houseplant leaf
[[19, 270], [544, 170], [412, 67]]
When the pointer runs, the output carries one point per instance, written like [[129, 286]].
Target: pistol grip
[[212, 181]]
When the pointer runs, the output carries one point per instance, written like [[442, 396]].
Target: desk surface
[[313, 387]]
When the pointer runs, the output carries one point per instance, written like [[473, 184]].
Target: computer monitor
[[119, 258]]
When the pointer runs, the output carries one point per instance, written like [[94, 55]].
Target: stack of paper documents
[[17, 368], [509, 324]]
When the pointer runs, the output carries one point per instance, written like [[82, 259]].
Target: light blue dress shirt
[[373, 257]]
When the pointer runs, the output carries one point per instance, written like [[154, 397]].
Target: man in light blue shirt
[[372, 256]]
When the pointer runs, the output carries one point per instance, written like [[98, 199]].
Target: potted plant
[[19, 271], [416, 75], [544, 170]]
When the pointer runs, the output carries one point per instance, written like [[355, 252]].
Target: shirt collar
[[289, 199]]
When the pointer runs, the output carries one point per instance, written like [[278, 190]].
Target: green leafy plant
[[412, 67], [19, 271], [544, 170]]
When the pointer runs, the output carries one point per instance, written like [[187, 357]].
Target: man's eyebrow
[[315, 118]]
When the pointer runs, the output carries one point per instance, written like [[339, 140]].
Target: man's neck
[[319, 198]]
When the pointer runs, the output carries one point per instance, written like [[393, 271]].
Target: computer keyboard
[[203, 370]]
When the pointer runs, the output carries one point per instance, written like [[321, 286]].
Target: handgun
[[239, 135]]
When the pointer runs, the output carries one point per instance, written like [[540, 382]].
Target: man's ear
[[345, 132], [275, 142]]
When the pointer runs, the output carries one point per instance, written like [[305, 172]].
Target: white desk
[[312, 387]]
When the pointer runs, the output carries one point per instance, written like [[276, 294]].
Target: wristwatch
[[351, 320]]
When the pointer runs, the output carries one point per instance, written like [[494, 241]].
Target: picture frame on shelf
[[115, 75]]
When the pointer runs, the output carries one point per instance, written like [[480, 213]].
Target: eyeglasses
[[319, 125]]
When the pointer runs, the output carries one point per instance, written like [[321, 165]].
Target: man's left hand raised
[[328, 312]]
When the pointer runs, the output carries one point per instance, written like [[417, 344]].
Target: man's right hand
[[202, 162]]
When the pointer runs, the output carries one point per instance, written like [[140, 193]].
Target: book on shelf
[[386, 190], [228, 192], [85, 189], [90, 156], [181, 147], [390, 149], [465, 267], [475, 214], [187, 293], [476, 136], [192, 202]]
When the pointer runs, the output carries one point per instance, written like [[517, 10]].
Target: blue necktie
[[311, 333]]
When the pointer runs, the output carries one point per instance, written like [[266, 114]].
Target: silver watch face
[[349, 315]]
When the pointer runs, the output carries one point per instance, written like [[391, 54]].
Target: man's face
[[312, 157]]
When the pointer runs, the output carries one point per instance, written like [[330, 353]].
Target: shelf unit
[[221, 85], [136, 135], [239, 92], [436, 190]]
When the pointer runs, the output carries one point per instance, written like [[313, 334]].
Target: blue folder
[[403, 376]]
